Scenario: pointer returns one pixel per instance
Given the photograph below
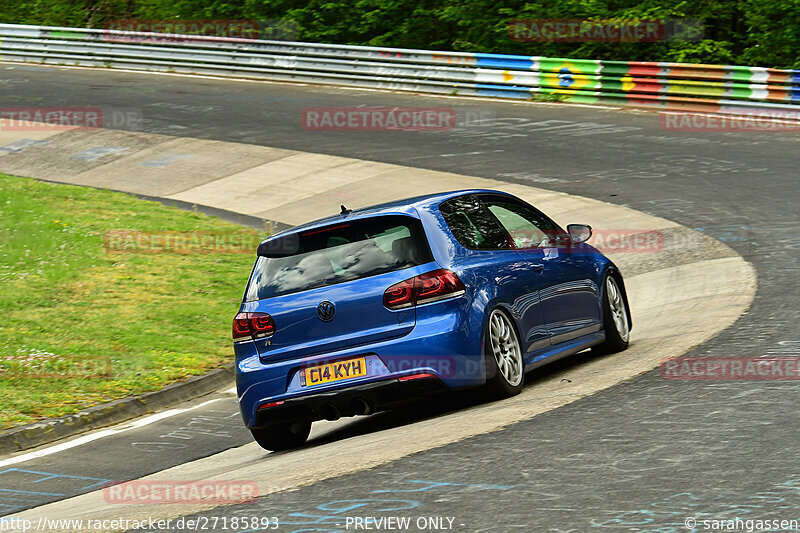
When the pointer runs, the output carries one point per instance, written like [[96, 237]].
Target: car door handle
[[537, 267]]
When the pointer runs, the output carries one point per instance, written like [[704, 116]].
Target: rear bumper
[[350, 401], [441, 344]]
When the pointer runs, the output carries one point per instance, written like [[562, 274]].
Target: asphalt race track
[[643, 455]]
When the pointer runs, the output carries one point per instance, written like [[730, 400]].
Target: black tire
[[282, 436], [616, 340], [498, 385]]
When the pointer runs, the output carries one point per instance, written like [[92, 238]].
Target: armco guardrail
[[726, 89]]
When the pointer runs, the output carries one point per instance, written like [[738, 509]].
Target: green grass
[[157, 317]]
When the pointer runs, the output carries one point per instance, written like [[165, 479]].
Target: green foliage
[[146, 319], [749, 32]]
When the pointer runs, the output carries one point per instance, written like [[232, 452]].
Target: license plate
[[349, 368]]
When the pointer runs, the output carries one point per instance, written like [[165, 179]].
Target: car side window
[[528, 227], [472, 225]]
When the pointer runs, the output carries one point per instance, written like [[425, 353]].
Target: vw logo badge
[[325, 311]]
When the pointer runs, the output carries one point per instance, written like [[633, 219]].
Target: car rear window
[[337, 253]]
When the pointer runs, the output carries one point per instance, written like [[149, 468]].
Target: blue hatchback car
[[365, 310]]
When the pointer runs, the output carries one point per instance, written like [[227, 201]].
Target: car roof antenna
[[344, 210]]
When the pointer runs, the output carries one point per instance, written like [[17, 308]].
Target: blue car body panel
[[553, 294]]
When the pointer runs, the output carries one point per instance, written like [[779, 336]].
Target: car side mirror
[[579, 233]]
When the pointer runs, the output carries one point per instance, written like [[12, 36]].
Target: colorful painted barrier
[[682, 86]]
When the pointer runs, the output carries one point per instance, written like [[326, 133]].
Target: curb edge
[[28, 436]]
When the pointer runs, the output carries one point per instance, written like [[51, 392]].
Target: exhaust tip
[[329, 412], [360, 406]]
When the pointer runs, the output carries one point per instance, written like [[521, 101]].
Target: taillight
[[247, 326], [422, 289], [437, 285], [400, 295], [412, 377], [270, 404]]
